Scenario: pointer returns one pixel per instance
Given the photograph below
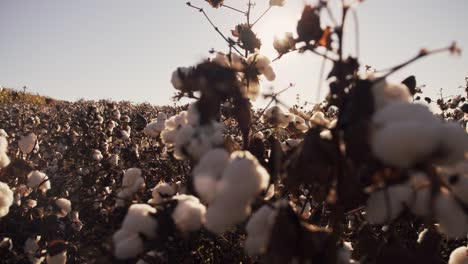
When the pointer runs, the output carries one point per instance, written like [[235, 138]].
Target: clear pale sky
[[127, 49]]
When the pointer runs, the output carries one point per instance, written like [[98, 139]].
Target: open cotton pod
[[6, 199], [64, 205], [27, 142]]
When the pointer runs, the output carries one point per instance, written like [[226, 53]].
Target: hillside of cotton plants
[[375, 173]]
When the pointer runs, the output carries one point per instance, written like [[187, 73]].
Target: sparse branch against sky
[[126, 50]]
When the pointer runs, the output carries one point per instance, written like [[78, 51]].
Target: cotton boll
[[125, 135], [4, 160], [194, 142], [3, 133], [139, 219], [125, 119], [60, 258], [459, 256], [300, 124], [97, 155], [241, 181], [290, 144], [127, 244], [26, 143], [189, 215], [454, 143], [259, 230], [154, 128], [168, 137], [178, 77], [270, 192], [116, 114], [403, 144], [31, 247], [214, 161], [3, 144], [262, 64], [30, 203], [6, 199], [285, 119], [269, 73], [318, 118], [272, 115], [100, 119], [401, 112], [258, 135], [133, 180], [114, 160], [161, 191], [385, 92], [37, 179], [386, 204], [64, 205], [452, 219]]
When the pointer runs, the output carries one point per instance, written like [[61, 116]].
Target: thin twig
[[261, 16], [423, 53], [234, 9], [214, 26]]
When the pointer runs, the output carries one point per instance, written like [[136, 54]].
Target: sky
[[127, 50]]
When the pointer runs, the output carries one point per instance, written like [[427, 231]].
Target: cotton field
[[372, 174]]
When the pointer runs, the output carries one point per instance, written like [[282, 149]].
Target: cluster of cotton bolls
[[229, 184], [132, 181], [406, 134], [445, 205], [155, 127], [277, 117], [188, 138], [141, 224]]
